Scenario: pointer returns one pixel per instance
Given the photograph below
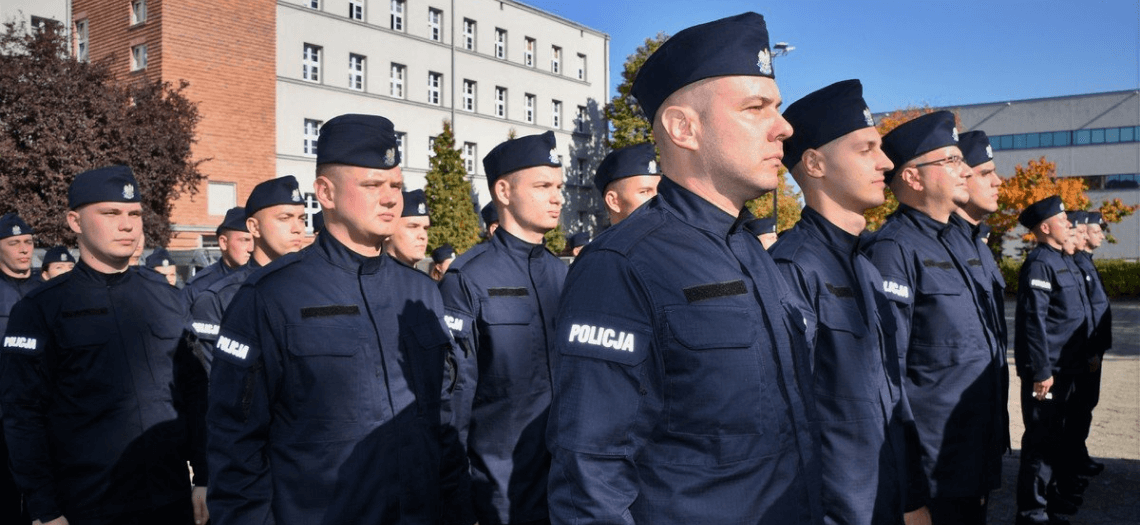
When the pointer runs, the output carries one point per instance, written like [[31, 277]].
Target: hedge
[[1121, 278]]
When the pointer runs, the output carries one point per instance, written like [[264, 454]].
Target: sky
[[907, 52]]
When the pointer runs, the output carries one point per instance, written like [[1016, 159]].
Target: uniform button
[[379, 372]]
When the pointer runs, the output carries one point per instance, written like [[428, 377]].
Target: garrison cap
[[523, 152], [733, 46], [578, 239], [1095, 217], [1040, 211], [975, 146], [158, 258], [823, 116], [318, 221], [234, 221], [761, 226], [57, 254], [631, 161], [1078, 217], [367, 141], [109, 184], [282, 190], [916, 137], [490, 214], [415, 204], [442, 253], [12, 225]]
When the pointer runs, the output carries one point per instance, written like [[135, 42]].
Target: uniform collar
[[982, 231], [340, 256], [831, 234], [698, 212], [16, 281], [89, 274], [515, 246], [924, 222], [958, 222]]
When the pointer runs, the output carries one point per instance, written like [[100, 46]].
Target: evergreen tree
[[555, 240], [448, 193], [630, 125]]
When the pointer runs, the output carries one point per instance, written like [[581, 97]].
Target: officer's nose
[[883, 163], [782, 129]]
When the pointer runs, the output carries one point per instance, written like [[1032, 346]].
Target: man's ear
[[73, 222], [325, 190], [814, 163], [681, 126], [502, 191], [254, 227], [912, 177], [611, 200]]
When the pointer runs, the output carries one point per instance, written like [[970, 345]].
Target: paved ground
[[1114, 496]]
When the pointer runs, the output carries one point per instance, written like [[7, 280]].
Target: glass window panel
[[1098, 136], [1007, 142], [1083, 137], [1127, 134], [1112, 135], [1061, 138], [1019, 141], [1046, 139], [1033, 140]]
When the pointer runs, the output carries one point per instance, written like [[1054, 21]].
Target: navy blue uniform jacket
[[501, 299], [325, 397], [1053, 321], [103, 398], [681, 389], [204, 278], [209, 306], [856, 348], [1098, 301], [953, 363]]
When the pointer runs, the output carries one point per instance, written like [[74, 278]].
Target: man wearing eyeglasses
[[951, 382]]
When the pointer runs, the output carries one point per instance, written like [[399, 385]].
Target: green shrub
[[1121, 278]]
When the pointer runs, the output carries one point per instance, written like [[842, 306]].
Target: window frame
[[470, 88], [396, 10], [309, 140], [311, 63], [501, 102], [138, 57], [469, 40], [357, 72], [500, 43], [396, 82], [435, 24], [435, 91]]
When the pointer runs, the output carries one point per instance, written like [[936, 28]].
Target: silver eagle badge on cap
[[867, 117], [128, 191], [296, 196], [653, 167], [764, 61], [554, 157], [421, 209], [954, 133], [989, 152], [15, 230], [390, 156]]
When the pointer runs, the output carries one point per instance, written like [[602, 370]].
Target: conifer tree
[[448, 193]]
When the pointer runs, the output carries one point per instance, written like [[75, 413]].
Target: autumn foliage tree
[[448, 194], [788, 204], [60, 117]]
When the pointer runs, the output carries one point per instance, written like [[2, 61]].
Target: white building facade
[[491, 67]]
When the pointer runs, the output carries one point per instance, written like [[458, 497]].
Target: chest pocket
[[719, 378], [509, 347], [426, 360], [89, 367], [326, 372]]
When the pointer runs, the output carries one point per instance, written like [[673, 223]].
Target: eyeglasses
[[953, 161]]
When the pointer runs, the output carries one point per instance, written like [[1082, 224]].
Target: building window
[[397, 15], [468, 34], [469, 157], [401, 138], [528, 53], [501, 102], [556, 113], [580, 122], [435, 24], [138, 57], [220, 197], [1057, 139], [581, 172], [40, 24], [431, 147], [500, 43], [138, 11], [556, 60], [311, 63], [314, 4], [397, 80], [581, 67], [81, 40], [312, 133], [356, 9], [530, 108], [469, 95], [356, 72], [435, 80]]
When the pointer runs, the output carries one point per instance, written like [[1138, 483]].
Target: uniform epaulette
[[416, 274], [151, 275], [635, 228], [277, 264], [48, 285], [474, 252], [202, 273]]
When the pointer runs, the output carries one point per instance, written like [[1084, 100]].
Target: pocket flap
[[707, 327]]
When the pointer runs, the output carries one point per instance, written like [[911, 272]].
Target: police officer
[[764, 228], [626, 178], [1052, 325], [576, 242], [408, 242], [502, 297], [275, 217], [440, 261], [951, 372], [490, 218], [102, 398], [16, 247], [677, 392], [326, 392], [57, 261], [1086, 384], [159, 262], [836, 158], [234, 243]]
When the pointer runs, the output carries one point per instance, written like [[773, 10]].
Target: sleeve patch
[[604, 340], [233, 347], [23, 345], [1041, 285], [204, 328], [899, 290]]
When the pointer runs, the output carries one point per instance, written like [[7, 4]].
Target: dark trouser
[[180, 512], [1078, 419], [958, 511], [1040, 446], [11, 505]]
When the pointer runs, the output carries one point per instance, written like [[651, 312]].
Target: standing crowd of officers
[[677, 372]]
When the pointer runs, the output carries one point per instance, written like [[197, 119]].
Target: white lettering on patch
[[206, 328], [454, 323], [896, 289], [1041, 285], [25, 343], [232, 347], [601, 336]]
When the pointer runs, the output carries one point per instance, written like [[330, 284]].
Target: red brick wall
[[226, 50]]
